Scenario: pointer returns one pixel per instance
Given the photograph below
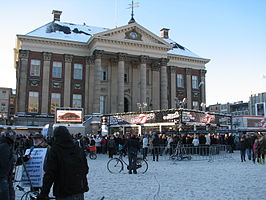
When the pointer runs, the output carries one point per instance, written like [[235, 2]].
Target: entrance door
[[126, 105]]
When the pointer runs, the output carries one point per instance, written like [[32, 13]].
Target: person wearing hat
[[38, 141]]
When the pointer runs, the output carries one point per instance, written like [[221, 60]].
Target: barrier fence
[[196, 153]]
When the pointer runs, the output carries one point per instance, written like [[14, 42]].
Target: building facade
[[5, 104], [257, 104], [104, 70]]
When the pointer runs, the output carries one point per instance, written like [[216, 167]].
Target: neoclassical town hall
[[105, 70]]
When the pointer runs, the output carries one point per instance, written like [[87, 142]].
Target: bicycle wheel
[[93, 156], [142, 165], [115, 166]]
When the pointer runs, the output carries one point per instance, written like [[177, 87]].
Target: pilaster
[[164, 98], [120, 81], [143, 77], [189, 88], [22, 80], [67, 80], [97, 66], [45, 82]]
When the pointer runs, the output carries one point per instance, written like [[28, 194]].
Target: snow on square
[[221, 179]]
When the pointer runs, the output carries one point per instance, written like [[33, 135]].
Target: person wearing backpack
[[66, 169]]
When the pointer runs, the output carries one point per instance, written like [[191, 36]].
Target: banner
[[198, 119], [143, 118], [34, 168]]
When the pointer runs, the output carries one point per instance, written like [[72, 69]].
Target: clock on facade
[[133, 35]]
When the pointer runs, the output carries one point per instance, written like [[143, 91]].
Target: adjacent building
[[5, 104], [102, 70], [257, 104]]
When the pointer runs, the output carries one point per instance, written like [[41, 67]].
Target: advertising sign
[[143, 118], [69, 116], [34, 168], [198, 119]]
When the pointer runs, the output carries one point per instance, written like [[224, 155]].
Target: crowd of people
[[66, 152]]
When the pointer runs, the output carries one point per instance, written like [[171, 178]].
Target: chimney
[[164, 33], [57, 14]]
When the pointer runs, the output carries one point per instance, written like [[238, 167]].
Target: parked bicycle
[[116, 165], [180, 154], [29, 195]]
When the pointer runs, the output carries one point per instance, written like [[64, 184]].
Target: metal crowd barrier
[[195, 153]]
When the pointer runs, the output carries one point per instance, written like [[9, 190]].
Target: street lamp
[[142, 106], [180, 103]]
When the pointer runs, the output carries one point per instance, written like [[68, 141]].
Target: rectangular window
[[195, 82], [103, 73], [78, 69], [35, 66], [195, 105], [33, 105], [77, 100], [55, 101], [180, 80], [102, 104], [57, 70]]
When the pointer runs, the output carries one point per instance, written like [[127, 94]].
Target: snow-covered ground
[[225, 179]]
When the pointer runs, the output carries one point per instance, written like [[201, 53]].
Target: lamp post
[[180, 103], [142, 106]]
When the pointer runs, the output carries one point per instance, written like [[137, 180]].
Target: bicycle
[[116, 165], [29, 195]]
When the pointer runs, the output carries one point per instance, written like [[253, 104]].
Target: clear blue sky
[[232, 33]]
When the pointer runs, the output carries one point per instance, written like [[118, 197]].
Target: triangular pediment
[[133, 33]]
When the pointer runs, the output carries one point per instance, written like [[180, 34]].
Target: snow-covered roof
[[66, 31], [180, 50]]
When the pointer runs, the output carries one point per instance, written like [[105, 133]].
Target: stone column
[[143, 77], [164, 98], [87, 78], [97, 67], [202, 86], [120, 82], [45, 82], [189, 90], [155, 94], [22, 81], [173, 87], [67, 80]]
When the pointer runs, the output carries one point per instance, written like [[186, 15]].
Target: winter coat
[[242, 145], [145, 142], [66, 167], [208, 140], [195, 142], [132, 145], [156, 142], [263, 145], [256, 147], [6, 158]]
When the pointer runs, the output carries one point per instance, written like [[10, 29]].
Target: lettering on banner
[[171, 116], [142, 118], [34, 168]]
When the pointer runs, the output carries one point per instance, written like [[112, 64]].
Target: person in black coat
[[132, 145], [66, 168], [155, 147], [242, 146], [7, 161]]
